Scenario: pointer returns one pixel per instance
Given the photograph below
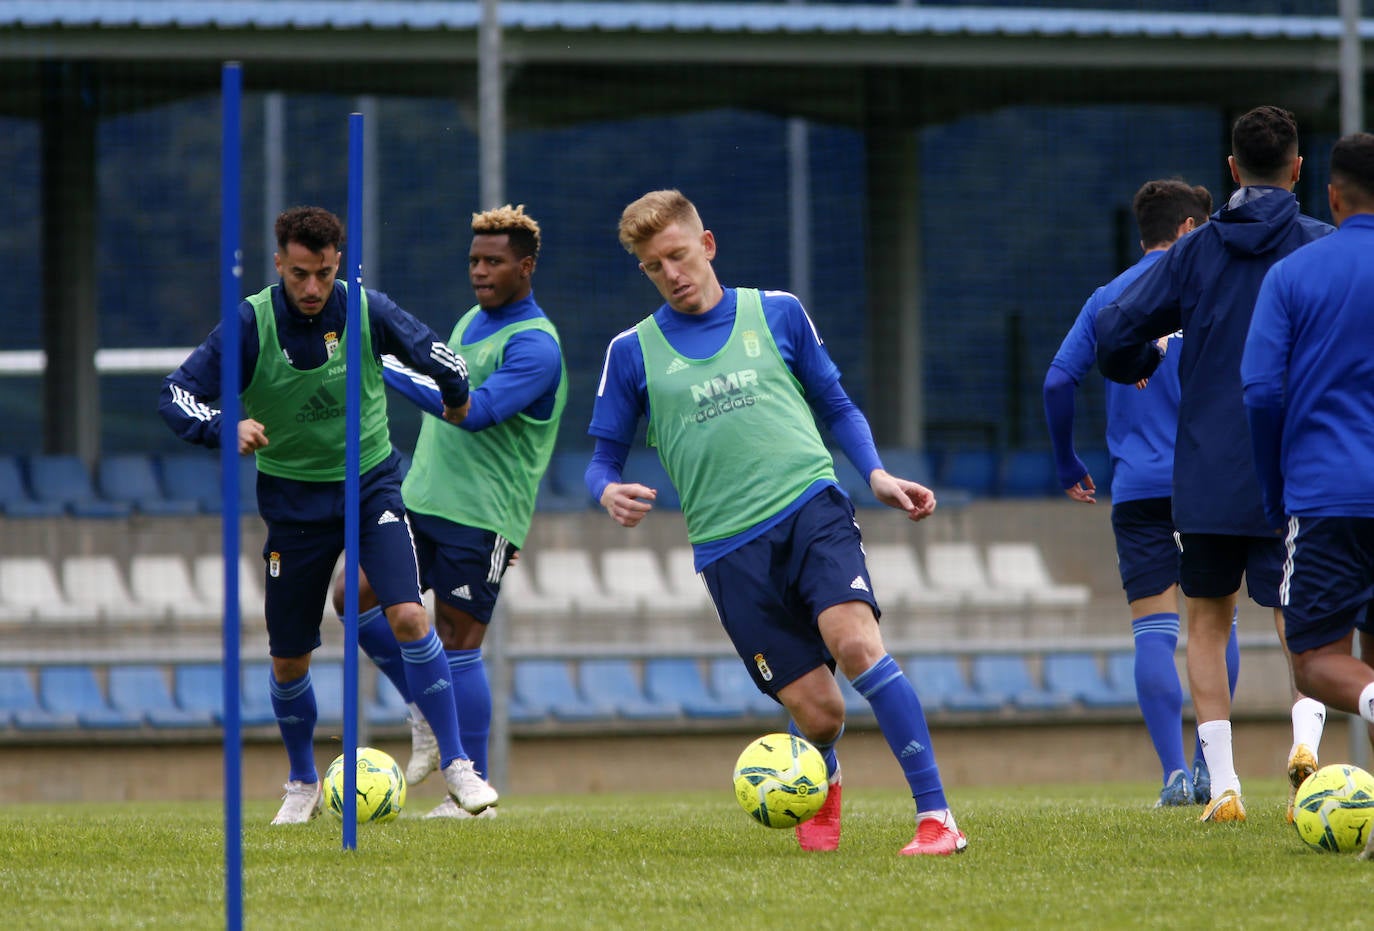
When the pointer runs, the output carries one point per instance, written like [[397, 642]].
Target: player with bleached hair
[[731, 381]]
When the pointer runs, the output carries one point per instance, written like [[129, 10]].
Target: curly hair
[[520, 227], [312, 227]]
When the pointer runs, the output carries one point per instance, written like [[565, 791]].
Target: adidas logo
[[387, 518], [677, 365], [437, 687], [912, 749], [859, 584], [463, 592], [321, 406]]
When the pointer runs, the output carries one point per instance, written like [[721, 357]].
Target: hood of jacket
[[1259, 223]]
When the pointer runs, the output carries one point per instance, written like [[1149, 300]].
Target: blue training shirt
[[622, 396], [1141, 424], [1206, 286], [1308, 369]]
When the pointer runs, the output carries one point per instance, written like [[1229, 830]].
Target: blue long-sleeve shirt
[[622, 396], [1141, 424], [1206, 286], [1308, 376], [526, 381], [188, 394]]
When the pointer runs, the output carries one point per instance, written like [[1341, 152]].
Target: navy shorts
[[1210, 565], [301, 559], [1328, 580], [463, 564], [1146, 554], [770, 591]]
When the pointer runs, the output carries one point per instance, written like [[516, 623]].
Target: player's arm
[[187, 397], [397, 332], [1127, 329], [531, 366], [1263, 373], [621, 399], [1076, 356]]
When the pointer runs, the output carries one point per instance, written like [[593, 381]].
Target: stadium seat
[[385, 706], [1079, 676], [681, 575], [975, 471], [615, 682], [520, 597], [327, 678], [64, 479], [852, 483], [132, 479], [678, 680], [899, 581], [730, 683], [958, 567], [1021, 566], [563, 487], [199, 688], [15, 498], [572, 574], [545, 687], [1007, 676], [29, 591], [96, 584], [142, 691], [161, 583], [1121, 673], [74, 690], [255, 694], [19, 703], [643, 466], [941, 684], [207, 572], [1099, 464], [635, 573], [196, 476], [1029, 473]]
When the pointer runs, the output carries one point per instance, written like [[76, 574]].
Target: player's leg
[[1210, 571], [299, 567], [1202, 777], [375, 638]]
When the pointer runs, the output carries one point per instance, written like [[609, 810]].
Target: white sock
[[1367, 703], [1309, 717], [1216, 749], [943, 815]]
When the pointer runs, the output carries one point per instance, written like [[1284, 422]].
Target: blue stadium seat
[[15, 498], [730, 683], [142, 691], [909, 463], [678, 679], [19, 703], [1007, 676], [1029, 473], [1099, 465], [327, 678], [199, 688], [64, 479], [255, 695], [1121, 673], [75, 690], [853, 483], [942, 685], [195, 476], [132, 478], [643, 466], [386, 706], [1079, 676], [545, 687], [616, 682], [975, 471], [562, 487]]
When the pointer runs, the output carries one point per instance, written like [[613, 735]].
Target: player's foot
[[424, 751], [1302, 762], [472, 793], [822, 830], [448, 808], [300, 803], [1202, 781], [936, 836], [1177, 791], [1225, 807]]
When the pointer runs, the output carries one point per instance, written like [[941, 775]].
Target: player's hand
[[252, 436], [628, 502], [917, 500], [456, 415], [1084, 490]]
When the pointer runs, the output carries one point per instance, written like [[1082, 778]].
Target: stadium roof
[[571, 61]]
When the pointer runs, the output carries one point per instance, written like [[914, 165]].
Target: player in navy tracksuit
[[1206, 286], [1308, 372], [1141, 425], [293, 421]]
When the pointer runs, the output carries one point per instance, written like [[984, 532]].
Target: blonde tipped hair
[[653, 213], [522, 228]]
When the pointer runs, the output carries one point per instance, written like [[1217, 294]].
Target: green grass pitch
[[1039, 857]]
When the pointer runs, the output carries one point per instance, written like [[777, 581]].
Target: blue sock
[[472, 692], [903, 724], [427, 676], [1232, 674], [1158, 690], [294, 705], [832, 762], [379, 643]]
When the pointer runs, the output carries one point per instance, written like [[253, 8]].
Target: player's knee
[[408, 621]]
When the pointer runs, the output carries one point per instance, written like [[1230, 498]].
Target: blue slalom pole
[[231, 271], [353, 404]]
